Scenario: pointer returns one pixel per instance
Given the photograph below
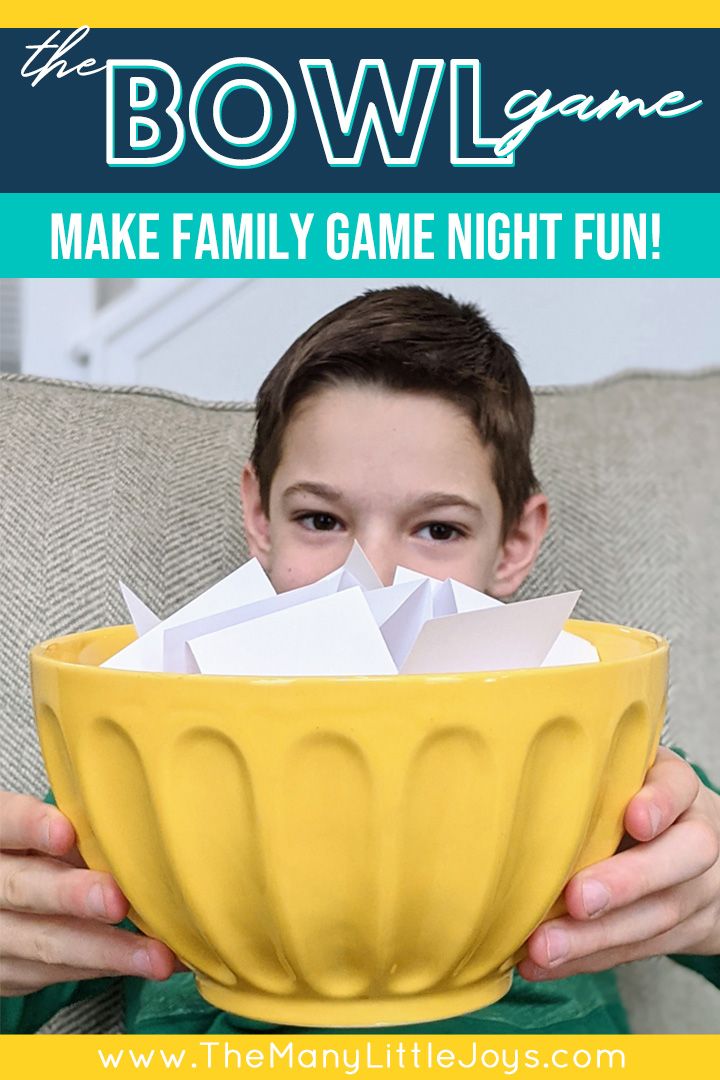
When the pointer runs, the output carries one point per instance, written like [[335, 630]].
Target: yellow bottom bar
[[645, 1057]]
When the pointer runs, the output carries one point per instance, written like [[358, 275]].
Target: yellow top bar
[[402, 13]]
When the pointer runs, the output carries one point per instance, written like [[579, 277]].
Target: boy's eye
[[439, 530], [318, 522]]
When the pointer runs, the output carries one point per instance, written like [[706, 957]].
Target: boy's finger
[[561, 940], [62, 941], [25, 822], [672, 941], [669, 790], [50, 887], [680, 854]]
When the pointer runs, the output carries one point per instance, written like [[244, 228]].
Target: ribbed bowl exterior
[[345, 852]]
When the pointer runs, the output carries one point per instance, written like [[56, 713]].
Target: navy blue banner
[[434, 110]]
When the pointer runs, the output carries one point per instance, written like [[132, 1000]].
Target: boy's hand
[[56, 918], [660, 896]]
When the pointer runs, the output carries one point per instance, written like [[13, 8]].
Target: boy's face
[[405, 475]]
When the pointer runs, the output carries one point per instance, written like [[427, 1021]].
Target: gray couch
[[98, 484]]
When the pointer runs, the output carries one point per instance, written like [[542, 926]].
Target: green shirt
[[583, 1004]]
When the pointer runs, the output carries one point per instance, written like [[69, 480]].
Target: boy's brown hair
[[416, 339]]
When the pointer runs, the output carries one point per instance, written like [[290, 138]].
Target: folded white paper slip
[[495, 638], [243, 586], [143, 618], [333, 635], [347, 623], [176, 653], [451, 596]]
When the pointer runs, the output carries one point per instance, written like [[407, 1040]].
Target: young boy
[[401, 419]]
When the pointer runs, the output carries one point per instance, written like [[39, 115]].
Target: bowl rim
[[659, 647]]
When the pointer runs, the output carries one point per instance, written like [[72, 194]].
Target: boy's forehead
[[380, 420], [374, 415], [359, 441]]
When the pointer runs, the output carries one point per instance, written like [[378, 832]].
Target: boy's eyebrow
[[442, 498], [308, 487], [431, 501]]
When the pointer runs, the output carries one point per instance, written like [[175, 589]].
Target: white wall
[[53, 312], [217, 339]]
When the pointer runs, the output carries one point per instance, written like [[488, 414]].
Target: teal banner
[[363, 235]]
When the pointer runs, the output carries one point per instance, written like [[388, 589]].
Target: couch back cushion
[[102, 484]]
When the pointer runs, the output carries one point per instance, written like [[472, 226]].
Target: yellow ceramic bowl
[[345, 852]]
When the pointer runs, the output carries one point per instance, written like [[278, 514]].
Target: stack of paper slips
[[348, 623]]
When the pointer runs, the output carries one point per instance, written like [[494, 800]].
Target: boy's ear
[[257, 524], [520, 548]]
